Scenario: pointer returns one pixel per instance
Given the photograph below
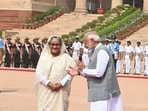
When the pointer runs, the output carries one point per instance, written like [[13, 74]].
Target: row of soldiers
[[127, 59], [25, 54], [133, 59]]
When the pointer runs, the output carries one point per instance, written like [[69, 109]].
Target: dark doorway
[[92, 5], [135, 3]]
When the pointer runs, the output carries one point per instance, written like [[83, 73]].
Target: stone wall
[[67, 5], [14, 12], [42, 5], [13, 18], [16, 5]]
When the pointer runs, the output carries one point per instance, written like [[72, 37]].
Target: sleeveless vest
[[106, 86]]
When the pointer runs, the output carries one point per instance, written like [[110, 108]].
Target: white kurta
[[112, 104]]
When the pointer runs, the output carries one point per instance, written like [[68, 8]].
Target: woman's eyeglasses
[[53, 44]]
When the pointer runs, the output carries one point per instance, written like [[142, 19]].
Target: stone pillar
[[145, 5], [116, 3], [80, 6]]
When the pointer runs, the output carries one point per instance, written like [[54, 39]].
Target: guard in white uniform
[[76, 46], [128, 57], [146, 59], [85, 57], [120, 57], [138, 57]]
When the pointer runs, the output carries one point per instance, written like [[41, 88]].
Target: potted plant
[[27, 22], [100, 9]]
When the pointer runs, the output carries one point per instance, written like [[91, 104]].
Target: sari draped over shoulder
[[54, 69]]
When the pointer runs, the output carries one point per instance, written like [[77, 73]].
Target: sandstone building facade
[[13, 13]]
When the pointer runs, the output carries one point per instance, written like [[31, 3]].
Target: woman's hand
[[54, 86]]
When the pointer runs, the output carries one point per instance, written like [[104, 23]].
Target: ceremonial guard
[[85, 55], [76, 47], [120, 57], [146, 59], [8, 53], [17, 52], [1, 50], [138, 58], [26, 57], [36, 51], [44, 41], [68, 46], [107, 43], [114, 48], [128, 57]]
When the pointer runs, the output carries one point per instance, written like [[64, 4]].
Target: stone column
[[145, 5], [116, 3], [80, 6]]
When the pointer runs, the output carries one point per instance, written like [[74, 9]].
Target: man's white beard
[[90, 51]]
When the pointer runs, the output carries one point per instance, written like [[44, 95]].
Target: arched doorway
[[135, 3]]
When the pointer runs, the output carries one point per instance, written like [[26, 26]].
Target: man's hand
[[80, 65], [72, 71]]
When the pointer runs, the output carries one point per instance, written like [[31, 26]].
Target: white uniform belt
[[127, 53], [75, 50], [85, 52], [138, 54]]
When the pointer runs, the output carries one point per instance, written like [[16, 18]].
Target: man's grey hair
[[93, 35]]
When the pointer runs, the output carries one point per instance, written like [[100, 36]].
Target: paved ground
[[17, 93]]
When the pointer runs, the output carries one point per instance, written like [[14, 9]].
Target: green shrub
[[1, 31]]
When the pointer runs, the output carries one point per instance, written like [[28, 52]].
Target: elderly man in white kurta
[[138, 58], [146, 59], [128, 56], [103, 87]]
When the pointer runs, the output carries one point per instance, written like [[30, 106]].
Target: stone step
[[62, 25], [140, 35], [70, 22]]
